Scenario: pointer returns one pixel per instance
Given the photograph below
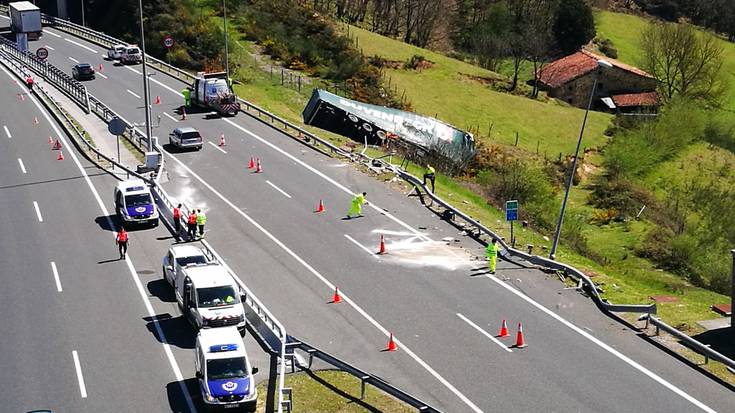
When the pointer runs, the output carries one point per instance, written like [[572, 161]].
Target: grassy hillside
[[448, 90]]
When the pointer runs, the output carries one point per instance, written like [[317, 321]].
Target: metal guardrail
[[365, 378], [695, 345]]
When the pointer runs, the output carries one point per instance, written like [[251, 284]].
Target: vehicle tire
[[170, 142]]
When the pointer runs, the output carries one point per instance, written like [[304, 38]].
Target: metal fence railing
[[693, 344], [365, 378]]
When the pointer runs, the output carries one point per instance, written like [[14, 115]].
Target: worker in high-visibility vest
[[356, 207], [187, 97], [429, 174], [191, 225], [201, 221], [121, 239], [177, 219], [492, 251]]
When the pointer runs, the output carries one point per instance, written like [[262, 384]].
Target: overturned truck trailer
[[419, 136]]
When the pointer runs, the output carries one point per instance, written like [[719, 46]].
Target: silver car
[[185, 138]]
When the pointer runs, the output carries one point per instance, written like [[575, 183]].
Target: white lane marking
[[328, 179], [80, 45], [51, 33], [38, 211], [278, 189], [217, 147], [133, 93], [56, 276], [133, 272], [170, 117], [605, 347], [484, 333], [80, 378], [48, 47], [330, 286], [7, 132], [136, 71], [22, 167], [73, 59], [354, 241], [102, 74]]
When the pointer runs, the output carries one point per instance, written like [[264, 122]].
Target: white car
[[180, 257], [131, 54], [115, 52]]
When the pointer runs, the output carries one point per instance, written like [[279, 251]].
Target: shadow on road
[[104, 222], [162, 290], [177, 399], [177, 330]]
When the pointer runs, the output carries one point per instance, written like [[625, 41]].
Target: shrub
[[607, 48]]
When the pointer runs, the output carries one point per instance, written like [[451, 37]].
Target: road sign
[[116, 126], [42, 53], [168, 42], [511, 210]]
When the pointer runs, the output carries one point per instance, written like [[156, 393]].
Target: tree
[[574, 25], [685, 61]]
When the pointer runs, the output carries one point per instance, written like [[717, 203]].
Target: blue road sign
[[511, 210]]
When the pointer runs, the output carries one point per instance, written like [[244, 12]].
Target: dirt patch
[[493, 82], [664, 298]]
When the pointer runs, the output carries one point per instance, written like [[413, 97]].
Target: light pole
[[227, 54], [82, 3], [146, 96], [601, 64]]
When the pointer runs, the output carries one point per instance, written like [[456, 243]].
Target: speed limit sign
[[168, 42]]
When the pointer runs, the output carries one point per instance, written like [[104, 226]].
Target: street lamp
[[601, 64], [146, 93], [82, 3], [227, 57]]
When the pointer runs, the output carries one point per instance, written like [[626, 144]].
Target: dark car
[[82, 71]]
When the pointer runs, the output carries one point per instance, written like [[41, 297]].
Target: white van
[[209, 297], [134, 203], [131, 54], [223, 370]]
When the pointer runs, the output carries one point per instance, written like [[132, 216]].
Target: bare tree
[[685, 61]]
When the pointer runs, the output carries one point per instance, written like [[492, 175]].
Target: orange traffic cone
[[50, 140], [57, 145], [158, 100], [183, 113], [251, 165], [102, 68], [60, 157], [222, 140], [392, 346], [382, 245], [520, 341], [336, 298], [503, 330], [258, 167], [35, 120], [320, 208]]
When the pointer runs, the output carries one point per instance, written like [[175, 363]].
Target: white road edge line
[[133, 93], [136, 71], [73, 59], [170, 117], [605, 347], [22, 167], [80, 45], [133, 273], [51, 33], [354, 241], [7, 132], [38, 211], [330, 286], [103, 75], [48, 47], [278, 189], [80, 378], [56, 276], [485, 333], [217, 147]]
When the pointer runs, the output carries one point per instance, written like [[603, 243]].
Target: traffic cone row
[[520, 339]]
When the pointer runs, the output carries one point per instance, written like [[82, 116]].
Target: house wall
[[611, 81]]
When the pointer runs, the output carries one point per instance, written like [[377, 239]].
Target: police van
[[134, 203], [223, 370]]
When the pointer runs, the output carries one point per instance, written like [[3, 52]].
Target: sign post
[[511, 214], [117, 127], [168, 43]]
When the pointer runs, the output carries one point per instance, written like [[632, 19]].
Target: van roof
[[186, 250], [123, 186], [209, 276], [24, 5], [219, 337]]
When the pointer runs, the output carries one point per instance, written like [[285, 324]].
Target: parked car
[[82, 71], [185, 138], [131, 54], [115, 52]]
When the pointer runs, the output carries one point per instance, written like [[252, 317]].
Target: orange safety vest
[[29, 80], [122, 236], [177, 213], [192, 218]]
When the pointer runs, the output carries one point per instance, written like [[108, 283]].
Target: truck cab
[[134, 203], [209, 297], [223, 370]]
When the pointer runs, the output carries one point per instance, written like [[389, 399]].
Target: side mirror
[[170, 268], [255, 370], [199, 375]]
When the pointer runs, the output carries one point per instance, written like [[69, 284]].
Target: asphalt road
[[424, 292]]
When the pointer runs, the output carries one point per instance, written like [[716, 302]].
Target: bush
[[607, 48]]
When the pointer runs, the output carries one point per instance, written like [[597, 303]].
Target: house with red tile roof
[[622, 87]]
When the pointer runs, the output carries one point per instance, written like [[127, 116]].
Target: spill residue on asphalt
[[411, 249]]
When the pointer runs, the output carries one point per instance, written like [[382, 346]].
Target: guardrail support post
[[362, 387]]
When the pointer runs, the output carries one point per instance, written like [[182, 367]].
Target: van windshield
[[219, 369], [194, 259], [137, 200], [133, 50], [217, 296]]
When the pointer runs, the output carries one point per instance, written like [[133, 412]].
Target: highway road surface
[[444, 312]]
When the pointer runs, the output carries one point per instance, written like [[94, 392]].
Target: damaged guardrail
[[693, 344]]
